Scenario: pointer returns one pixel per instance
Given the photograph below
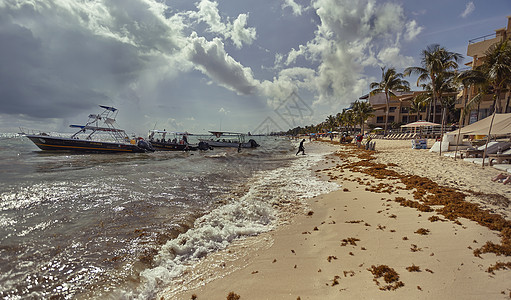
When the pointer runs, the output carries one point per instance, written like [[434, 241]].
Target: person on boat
[[301, 148], [185, 140]]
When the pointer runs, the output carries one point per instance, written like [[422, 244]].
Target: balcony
[[478, 46]]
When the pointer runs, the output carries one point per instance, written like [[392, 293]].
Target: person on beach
[[301, 148], [504, 178], [358, 140]]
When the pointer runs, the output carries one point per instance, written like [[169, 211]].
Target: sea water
[[127, 225]]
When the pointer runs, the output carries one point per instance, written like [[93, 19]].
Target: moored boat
[[92, 137], [230, 139], [158, 140]]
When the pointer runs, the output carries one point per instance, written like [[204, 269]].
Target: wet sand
[[406, 224]]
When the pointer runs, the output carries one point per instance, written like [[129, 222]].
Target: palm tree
[[331, 123], [391, 81], [419, 102], [473, 79], [363, 111], [349, 119], [435, 61], [497, 68]]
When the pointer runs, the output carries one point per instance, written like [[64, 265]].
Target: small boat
[[92, 137], [158, 140], [230, 139]]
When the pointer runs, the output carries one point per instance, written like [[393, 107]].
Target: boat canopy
[[220, 133], [173, 132], [95, 128], [112, 109]]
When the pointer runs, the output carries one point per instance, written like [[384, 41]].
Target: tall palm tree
[[435, 60], [331, 122], [391, 82], [419, 102], [497, 68], [363, 111], [349, 118], [472, 79]]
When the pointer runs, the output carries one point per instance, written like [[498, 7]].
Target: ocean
[[126, 226]]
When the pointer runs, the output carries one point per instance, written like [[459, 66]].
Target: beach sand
[[365, 241]]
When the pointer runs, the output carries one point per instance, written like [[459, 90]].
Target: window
[[391, 119], [379, 120], [392, 109], [405, 119], [405, 110]]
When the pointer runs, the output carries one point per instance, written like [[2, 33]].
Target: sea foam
[[258, 211]]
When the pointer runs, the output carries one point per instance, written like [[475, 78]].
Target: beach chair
[[503, 167], [492, 148], [477, 160], [499, 158]]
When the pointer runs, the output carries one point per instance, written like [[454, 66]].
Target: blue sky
[[233, 65]]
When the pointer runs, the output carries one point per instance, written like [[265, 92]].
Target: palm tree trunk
[[434, 107], [488, 137], [428, 112], [387, 111], [462, 117], [442, 129]]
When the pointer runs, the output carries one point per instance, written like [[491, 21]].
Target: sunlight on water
[[90, 226]]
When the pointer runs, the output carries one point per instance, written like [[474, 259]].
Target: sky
[[233, 65]]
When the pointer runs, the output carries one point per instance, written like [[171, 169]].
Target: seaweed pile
[[451, 202]]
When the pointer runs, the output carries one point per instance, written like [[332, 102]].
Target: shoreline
[[333, 250]]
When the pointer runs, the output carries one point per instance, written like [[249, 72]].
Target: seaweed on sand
[[430, 193], [390, 276]]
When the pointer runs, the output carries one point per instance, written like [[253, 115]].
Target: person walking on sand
[[301, 148]]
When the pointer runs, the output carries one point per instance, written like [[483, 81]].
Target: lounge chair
[[493, 148], [499, 158], [503, 167]]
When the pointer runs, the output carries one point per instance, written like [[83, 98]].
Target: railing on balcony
[[483, 38]]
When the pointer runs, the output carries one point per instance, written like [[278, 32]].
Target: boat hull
[[214, 143], [158, 146], [51, 143]]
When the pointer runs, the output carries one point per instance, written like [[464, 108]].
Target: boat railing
[[24, 131]]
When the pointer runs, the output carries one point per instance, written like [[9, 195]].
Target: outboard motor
[[253, 143], [203, 146], [145, 145]]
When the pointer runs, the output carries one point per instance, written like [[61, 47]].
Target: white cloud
[[237, 31], [351, 36], [412, 30], [469, 9], [295, 7], [240, 34], [210, 58], [392, 58]]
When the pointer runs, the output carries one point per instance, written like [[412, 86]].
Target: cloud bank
[[63, 57]]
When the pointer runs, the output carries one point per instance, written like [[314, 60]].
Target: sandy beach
[[406, 224]]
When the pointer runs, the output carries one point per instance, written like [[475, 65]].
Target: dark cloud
[[61, 71]]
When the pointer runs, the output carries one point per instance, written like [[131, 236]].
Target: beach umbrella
[[420, 124], [377, 128]]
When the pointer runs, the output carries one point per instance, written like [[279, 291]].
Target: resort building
[[401, 110], [476, 49]]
